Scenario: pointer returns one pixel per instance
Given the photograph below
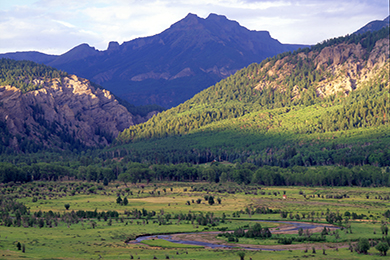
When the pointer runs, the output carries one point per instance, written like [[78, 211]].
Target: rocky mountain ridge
[[170, 67]]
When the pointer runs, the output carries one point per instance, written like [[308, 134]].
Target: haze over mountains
[[170, 67]]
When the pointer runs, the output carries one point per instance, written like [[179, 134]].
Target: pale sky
[[56, 26]]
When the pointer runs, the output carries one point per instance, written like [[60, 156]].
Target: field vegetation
[[48, 220]]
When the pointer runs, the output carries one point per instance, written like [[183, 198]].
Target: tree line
[[245, 173]]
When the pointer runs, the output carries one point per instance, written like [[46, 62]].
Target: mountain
[[170, 67], [327, 104], [35, 56], [43, 108], [374, 26]]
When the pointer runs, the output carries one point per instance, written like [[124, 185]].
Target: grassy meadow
[[99, 238]]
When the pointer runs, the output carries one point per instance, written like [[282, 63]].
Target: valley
[[287, 158], [172, 207]]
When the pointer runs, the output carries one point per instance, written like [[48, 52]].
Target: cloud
[[66, 24], [309, 22], [34, 27], [56, 26]]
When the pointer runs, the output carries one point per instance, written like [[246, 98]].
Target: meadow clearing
[[81, 220]]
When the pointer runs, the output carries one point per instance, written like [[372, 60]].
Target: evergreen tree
[[211, 200]]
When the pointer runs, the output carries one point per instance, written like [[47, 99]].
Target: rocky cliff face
[[66, 110], [347, 67]]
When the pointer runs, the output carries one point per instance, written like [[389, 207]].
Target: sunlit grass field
[[107, 240]]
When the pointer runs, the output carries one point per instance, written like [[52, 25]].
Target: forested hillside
[[316, 116], [26, 75], [325, 105]]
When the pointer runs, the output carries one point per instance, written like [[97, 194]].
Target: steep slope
[[327, 104], [170, 67], [55, 109]]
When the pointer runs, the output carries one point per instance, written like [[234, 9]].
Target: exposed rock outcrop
[[348, 66], [64, 110]]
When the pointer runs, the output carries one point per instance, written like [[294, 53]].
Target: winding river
[[292, 226]]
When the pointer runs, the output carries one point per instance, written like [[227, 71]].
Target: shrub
[[363, 246], [382, 247], [241, 254], [285, 240], [384, 229]]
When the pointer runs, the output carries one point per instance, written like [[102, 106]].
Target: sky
[[56, 26]]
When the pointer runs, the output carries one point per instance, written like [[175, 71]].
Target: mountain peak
[[191, 16], [214, 23], [190, 19], [113, 46], [218, 17], [77, 53], [83, 49]]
